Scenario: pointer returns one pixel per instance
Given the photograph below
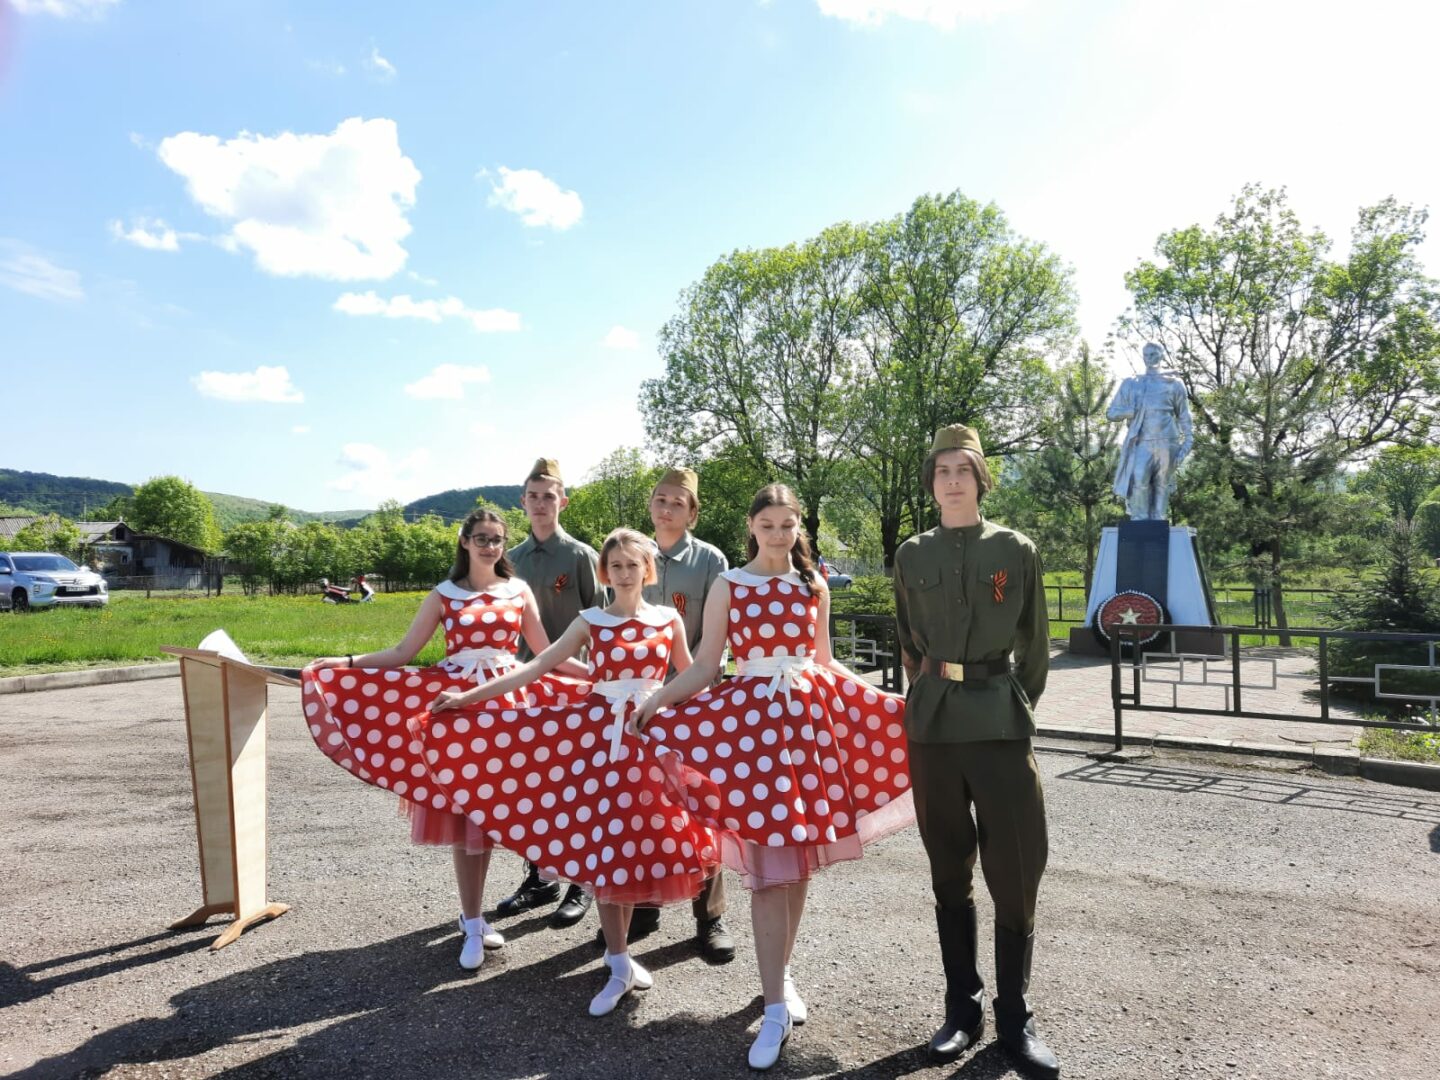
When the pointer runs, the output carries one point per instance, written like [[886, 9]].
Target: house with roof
[[122, 554]]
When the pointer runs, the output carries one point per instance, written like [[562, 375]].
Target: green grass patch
[[1423, 746], [280, 630]]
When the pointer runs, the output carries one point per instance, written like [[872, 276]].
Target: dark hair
[[461, 569], [983, 480], [780, 495], [626, 538]]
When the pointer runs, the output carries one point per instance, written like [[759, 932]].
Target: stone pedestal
[[1161, 561]]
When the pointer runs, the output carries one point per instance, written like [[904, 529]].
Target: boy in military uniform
[[685, 568], [561, 572], [968, 595]]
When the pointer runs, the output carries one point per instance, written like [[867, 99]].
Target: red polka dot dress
[[366, 720], [569, 789], [793, 765]]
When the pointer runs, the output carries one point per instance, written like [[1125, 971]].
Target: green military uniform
[[967, 600], [973, 595], [561, 573], [683, 577]]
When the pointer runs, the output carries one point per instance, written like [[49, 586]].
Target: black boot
[[572, 909], [1013, 1020], [532, 893], [964, 990]]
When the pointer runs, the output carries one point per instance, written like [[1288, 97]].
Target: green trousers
[[1000, 781]]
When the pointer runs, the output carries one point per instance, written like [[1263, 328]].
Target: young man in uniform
[[561, 572], [968, 595], [685, 568]]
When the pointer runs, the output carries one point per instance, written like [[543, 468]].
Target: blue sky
[[325, 254]]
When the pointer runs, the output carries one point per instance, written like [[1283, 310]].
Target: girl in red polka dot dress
[[570, 788], [364, 711], [796, 762]]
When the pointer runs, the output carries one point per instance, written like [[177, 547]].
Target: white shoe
[[774, 1031], [794, 1002], [620, 983], [479, 936]]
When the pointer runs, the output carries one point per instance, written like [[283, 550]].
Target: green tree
[[174, 508], [1074, 472], [761, 358], [1295, 364], [1395, 598], [251, 548], [1403, 476], [616, 493], [1427, 525], [959, 313], [51, 533]]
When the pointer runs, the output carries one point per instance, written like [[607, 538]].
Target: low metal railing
[[1127, 653]]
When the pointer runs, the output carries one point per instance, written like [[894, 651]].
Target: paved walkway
[[1272, 679]]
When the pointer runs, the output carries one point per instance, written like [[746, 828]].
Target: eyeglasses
[[484, 541]]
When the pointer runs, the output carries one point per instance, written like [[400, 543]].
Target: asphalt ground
[[1198, 918]]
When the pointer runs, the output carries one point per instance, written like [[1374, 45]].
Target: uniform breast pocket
[[924, 592], [998, 591]]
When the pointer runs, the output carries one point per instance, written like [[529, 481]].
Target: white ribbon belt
[[479, 664], [786, 671], [622, 693]]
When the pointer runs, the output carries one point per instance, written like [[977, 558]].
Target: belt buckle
[[954, 672]]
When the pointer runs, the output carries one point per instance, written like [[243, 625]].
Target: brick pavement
[[1273, 679]]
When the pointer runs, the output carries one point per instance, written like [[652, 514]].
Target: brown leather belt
[[977, 671]]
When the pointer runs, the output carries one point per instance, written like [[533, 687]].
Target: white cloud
[[621, 338], [327, 67], [26, 271], [152, 234], [329, 206], [64, 9], [536, 198], [378, 66], [263, 384], [945, 14], [300, 429], [448, 382], [488, 320], [373, 473], [422, 279]]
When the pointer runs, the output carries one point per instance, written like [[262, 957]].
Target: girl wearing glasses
[[367, 713]]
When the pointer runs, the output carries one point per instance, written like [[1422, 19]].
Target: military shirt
[[684, 575], [561, 574], [970, 594]]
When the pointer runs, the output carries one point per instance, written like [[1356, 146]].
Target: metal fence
[[1161, 667], [1234, 604], [867, 643]]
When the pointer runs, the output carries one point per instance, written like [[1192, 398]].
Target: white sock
[[619, 964]]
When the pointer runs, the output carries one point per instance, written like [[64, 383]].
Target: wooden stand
[[225, 715]]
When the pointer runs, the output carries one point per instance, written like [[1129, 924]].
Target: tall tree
[[1403, 476], [1295, 364], [1075, 468], [959, 315], [616, 493], [760, 358], [174, 508]]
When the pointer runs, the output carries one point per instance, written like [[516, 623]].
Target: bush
[[1395, 598]]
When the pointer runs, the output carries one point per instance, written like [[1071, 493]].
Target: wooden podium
[[225, 716]]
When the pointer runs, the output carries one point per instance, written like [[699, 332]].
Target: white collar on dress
[[743, 577], [501, 590], [656, 615]]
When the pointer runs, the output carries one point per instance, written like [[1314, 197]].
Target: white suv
[[32, 579]]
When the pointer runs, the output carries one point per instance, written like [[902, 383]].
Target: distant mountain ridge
[[83, 497]]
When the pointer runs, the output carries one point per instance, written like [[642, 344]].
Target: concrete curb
[[61, 680], [1338, 761]]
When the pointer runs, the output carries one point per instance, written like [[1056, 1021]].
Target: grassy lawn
[[281, 630], [1420, 746]]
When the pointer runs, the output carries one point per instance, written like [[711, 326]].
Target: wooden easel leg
[[202, 914], [239, 926]]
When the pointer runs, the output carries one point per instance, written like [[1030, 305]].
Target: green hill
[[74, 497], [80, 498], [456, 503]]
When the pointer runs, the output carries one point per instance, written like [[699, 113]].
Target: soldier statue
[[1157, 441]]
